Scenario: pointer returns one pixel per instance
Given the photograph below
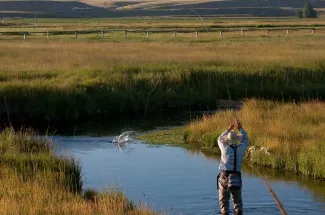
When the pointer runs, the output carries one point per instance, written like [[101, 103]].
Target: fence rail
[[148, 32]]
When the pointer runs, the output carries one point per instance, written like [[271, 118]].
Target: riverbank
[[285, 136], [60, 81], [36, 181]]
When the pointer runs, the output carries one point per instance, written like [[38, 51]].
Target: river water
[[176, 180]]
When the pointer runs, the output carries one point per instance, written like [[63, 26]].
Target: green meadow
[[66, 79]]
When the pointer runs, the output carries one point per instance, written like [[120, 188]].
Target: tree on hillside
[[308, 11]]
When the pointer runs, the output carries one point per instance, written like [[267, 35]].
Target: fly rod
[[280, 206]]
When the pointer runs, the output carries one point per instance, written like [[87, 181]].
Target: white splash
[[124, 137]]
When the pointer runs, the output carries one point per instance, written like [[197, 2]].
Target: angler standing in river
[[233, 147]]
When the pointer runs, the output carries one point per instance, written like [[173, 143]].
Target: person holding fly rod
[[232, 147]]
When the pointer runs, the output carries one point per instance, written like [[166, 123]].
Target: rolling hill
[[132, 8]]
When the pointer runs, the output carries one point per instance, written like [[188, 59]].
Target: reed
[[290, 132]]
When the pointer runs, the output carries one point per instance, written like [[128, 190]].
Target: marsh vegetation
[[36, 181], [285, 136], [61, 79]]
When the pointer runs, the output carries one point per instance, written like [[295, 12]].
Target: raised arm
[[244, 140], [221, 143]]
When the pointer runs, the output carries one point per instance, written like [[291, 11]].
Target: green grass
[[26, 155], [67, 79], [180, 23], [172, 137], [126, 90]]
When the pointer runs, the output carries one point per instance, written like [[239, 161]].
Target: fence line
[[148, 32]]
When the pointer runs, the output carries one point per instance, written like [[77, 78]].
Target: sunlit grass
[[292, 133], [69, 79], [35, 181]]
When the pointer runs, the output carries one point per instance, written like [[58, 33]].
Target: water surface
[[177, 180]]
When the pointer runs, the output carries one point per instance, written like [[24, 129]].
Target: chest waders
[[231, 179]]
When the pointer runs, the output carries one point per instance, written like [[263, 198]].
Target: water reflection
[[316, 186], [170, 179]]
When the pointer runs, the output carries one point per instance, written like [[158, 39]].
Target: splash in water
[[124, 137]]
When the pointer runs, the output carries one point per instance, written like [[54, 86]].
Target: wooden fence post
[[125, 32], [76, 35]]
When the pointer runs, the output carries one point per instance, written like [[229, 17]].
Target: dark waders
[[229, 182]]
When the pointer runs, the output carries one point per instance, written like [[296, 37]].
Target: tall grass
[[152, 23], [68, 80], [292, 134], [35, 181], [26, 155]]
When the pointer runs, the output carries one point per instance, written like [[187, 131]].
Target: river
[[180, 181]]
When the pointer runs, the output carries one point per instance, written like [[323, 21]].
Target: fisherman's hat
[[232, 138]]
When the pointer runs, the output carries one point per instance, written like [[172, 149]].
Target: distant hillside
[[131, 8]]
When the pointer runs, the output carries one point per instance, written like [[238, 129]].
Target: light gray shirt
[[227, 153]]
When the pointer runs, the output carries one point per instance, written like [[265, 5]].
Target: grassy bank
[[285, 136], [291, 133], [68, 80], [35, 181]]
